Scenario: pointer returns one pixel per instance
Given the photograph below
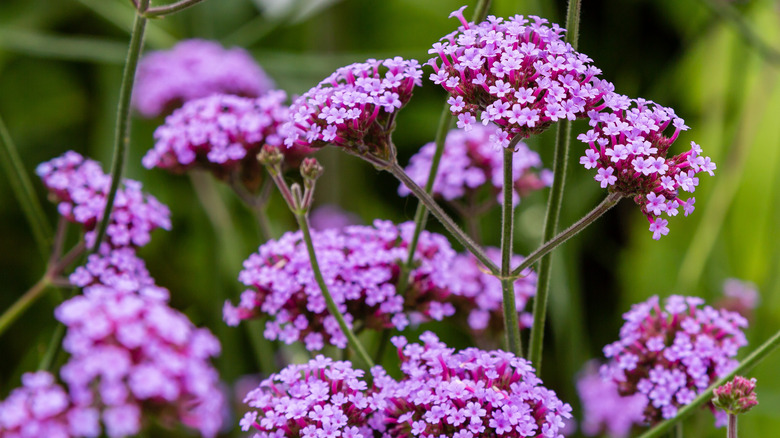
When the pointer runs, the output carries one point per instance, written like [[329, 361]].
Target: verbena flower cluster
[[193, 69], [669, 355], [628, 148], [739, 296], [322, 398], [469, 393], [361, 266], [518, 73], [604, 409], [42, 408], [221, 133], [132, 355], [481, 294], [355, 107], [470, 161], [81, 189]]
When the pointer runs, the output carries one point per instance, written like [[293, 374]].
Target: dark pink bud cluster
[[193, 69], [671, 354], [736, 396], [81, 189], [629, 149], [518, 73], [355, 107]]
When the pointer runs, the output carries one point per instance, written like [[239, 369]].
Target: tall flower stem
[[511, 323], [161, 11], [563, 133], [746, 365], [303, 223], [122, 132], [731, 431], [23, 190], [436, 210]]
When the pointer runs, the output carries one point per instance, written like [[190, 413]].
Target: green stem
[[122, 133], [52, 349], [23, 190], [731, 432], [511, 323], [563, 132], [746, 365], [303, 223], [29, 297], [445, 220], [161, 11]]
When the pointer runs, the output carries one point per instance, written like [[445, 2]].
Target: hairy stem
[[731, 432], [161, 11], [511, 324]]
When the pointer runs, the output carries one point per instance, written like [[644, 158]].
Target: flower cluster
[[193, 69], [81, 188], [465, 394], [736, 396], [322, 398], [42, 408], [604, 409], [739, 296], [470, 161], [671, 355], [628, 148], [131, 354], [355, 107], [518, 73], [483, 293], [361, 266]]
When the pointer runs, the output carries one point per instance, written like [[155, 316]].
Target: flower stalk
[[511, 323]]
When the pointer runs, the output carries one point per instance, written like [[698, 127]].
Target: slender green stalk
[[563, 133], [731, 431], [23, 190], [18, 307], [303, 223], [746, 365], [161, 11], [729, 13], [445, 220], [122, 133], [54, 347], [511, 323]]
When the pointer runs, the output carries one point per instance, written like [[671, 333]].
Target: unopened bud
[[270, 156], [736, 396], [311, 169]]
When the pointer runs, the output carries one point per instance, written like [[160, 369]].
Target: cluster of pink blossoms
[[132, 355], [81, 189], [518, 73], [355, 107], [628, 148], [361, 265], [470, 161], [42, 408], [669, 355], [193, 69]]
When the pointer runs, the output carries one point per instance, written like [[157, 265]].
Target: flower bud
[[270, 156], [736, 396], [311, 169]]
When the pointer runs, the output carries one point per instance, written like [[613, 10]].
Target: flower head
[[193, 69], [736, 396], [670, 354], [360, 265], [604, 409], [470, 161], [355, 107], [470, 393], [518, 73], [81, 189], [739, 296], [629, 149]]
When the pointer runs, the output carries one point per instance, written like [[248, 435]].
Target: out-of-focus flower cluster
[[469, 393], [604, 409], [193, 69], [470, 161], [628, 148], [42, 408], [81, 189], [361, 266], [739, 296], [518, 73], [355, 107], [669, 355], [132, 355]]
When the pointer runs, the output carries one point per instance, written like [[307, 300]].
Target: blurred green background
[[60, 68]]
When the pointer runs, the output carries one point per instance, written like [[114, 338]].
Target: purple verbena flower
[[330, 216], [629, 150], [132, 355], [318, 399], [361, 265], [471, 392], [42, 408], [670, 354], [604, 409], [518, 73], [193, 69], [470, 161], [355, 107], [81, 189]]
